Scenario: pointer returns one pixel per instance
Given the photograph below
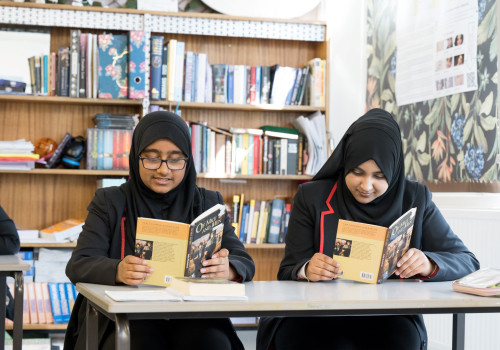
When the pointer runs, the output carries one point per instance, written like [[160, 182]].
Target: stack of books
[[17, 155]]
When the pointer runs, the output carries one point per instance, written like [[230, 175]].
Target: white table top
[[13, 263], [334, 297]]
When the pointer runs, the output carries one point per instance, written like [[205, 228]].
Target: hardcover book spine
[[45, 74], [137, 64], [189, 76], [113, 66], [277, 209], [63, 299], [74, 80], [179, 70], [82, 91], [172, 56], [164, 73], [156, 63], [291, 161], [55, 303], [230, 84]]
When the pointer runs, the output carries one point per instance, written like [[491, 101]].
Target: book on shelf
[[185, 245], [113, 65], [484, 282], [74, 73], [64, 230], [209, 288], [137, 64], [369, 253], [56, 157]]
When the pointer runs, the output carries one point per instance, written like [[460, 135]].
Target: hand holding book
[[414, 262], [322, 268], [218, 266], [132, 270]]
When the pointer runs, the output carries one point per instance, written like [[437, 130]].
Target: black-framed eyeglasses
[[155, 163]]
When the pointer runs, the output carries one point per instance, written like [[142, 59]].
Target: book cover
[[156, 66], [113, 66], [137, 64], [55, 303], [67, 229], [369, 253], [82, 91], [55, 159], [207, 287], [63, 302], [189, 76], [277, 209], [63, 73], [171, 68], [74, 77], [179, 70], [484, 282], [219, 75], [178, 249]]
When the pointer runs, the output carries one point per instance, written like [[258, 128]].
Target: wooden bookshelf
[[35, 201]]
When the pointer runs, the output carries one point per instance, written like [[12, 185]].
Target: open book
[[178, 249], [484, 282], [369, 253]]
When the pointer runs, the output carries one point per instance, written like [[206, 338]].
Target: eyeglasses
[[156, 163]]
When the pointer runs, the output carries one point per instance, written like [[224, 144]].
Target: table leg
[[18, 310], [122, 336], [92, 323], [458, 341], [2, 310]]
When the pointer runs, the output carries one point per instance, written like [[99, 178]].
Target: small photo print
[[449, 42], [459, 59], [440, 84], [449, 62], [342, 247], [449, 82], [459, 39], [144, 249], [459, 80]]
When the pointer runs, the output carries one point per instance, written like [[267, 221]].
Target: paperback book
[[369, 253], [179, 249]]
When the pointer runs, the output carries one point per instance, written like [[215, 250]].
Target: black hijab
[[376, 136], [184, 202]]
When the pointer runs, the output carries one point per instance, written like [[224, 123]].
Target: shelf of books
[[253, 92]]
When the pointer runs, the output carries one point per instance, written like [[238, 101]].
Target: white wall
[[346, 23]]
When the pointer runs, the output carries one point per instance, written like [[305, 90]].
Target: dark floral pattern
[[449, 139]]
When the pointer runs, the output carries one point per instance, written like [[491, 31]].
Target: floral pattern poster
[[453, 138]]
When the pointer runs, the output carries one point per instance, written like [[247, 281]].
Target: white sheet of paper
[[436, 49]]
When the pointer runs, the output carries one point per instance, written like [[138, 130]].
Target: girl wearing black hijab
[[364, 181], [162, 185]]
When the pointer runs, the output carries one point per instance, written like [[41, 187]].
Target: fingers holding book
[[414, 262], [132, 270], [218, 266], [322, 268]]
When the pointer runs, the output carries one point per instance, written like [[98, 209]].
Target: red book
[[252, 84], [256, 154]]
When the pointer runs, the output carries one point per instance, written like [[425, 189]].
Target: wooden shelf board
[[67, 100], [265, 246], [238, 107], [46, 244], [68, 172], [42, 327]]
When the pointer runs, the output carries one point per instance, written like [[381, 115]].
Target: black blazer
[[98, 253], [313, 225]]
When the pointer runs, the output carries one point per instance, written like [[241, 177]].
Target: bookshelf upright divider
[[35, 201]]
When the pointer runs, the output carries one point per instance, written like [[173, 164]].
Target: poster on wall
[[436, 49]]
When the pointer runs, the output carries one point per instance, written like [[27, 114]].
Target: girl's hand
[[132, 270], [414, 262], [322, 268], [218, 266]]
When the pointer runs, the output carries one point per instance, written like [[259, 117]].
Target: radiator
[[475, 218]]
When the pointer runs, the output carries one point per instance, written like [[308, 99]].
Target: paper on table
[[142, 295]]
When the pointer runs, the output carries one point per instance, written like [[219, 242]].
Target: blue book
[[25, 254], [277, 209], [46, 74], [55, 303], [257, 84], [137, 64], [156, 61], [113, 65], [100, 149], [63, 302], [108, 149], [230, 84], [244, 221]]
